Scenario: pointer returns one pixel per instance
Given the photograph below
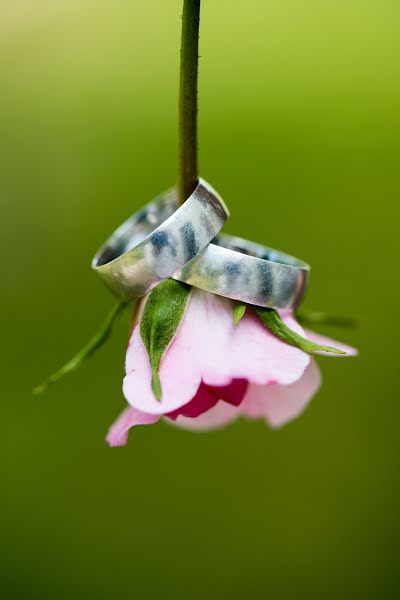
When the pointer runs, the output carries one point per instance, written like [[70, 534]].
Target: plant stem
[[187, 169], [98, 340]]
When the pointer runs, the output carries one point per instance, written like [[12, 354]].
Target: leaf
[[161, 317], [274, 323], [312, 317], [238, 312], [98, 340]]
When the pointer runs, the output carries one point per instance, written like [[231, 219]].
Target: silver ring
[[158, 240], [248, 272]]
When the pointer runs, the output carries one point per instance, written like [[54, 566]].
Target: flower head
[[213, 371]]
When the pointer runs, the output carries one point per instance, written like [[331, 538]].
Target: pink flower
[[214, 372]]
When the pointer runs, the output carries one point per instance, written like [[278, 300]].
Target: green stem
[[187, 169], [272, 321], [100, 337]]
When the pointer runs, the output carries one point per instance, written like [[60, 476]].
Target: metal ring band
[[248, 272], [158, 240]]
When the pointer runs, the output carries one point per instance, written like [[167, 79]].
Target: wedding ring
[[248, 272], [158, 240]]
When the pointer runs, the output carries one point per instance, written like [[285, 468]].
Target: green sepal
[[313, 317], [98, 340], [161, 317], [238, 312], [274, 323]]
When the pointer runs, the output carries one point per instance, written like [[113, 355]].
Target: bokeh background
[[299, 130]]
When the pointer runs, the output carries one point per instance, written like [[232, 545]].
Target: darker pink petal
[[207, 397], [203, 401], [277, 404]]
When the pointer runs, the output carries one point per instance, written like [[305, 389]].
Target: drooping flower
[[213, 371]]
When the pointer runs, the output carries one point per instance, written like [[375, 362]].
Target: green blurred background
[[299, 130]]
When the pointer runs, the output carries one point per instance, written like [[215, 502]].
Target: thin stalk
[[187, 163], [98, 340]]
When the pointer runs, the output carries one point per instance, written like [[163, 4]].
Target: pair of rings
[[163, 240]]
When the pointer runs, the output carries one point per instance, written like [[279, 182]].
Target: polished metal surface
[[248, 272], [158, 240]]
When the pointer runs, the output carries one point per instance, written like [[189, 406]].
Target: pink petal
[[209, 348], [180, 370], [260, 357], [325, 341], [118, 432], [279, 404], [218, 416], [215, 334], [199, 351]]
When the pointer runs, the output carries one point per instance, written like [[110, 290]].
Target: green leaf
[[312, 317], [161, 317], [274, 323], [98, 340], [238, 312]]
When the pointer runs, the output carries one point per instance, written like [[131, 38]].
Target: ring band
[[248, 272], [158, 240]]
